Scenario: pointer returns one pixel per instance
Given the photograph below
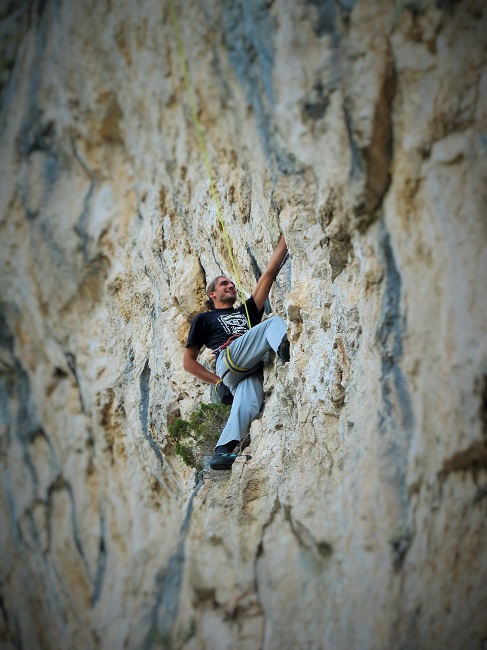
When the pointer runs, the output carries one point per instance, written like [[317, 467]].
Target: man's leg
[[249, 395], [248, 398], [246, 352], [238, 366]]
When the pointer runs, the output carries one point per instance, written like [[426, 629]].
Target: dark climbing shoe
[[222, 460], [283, 350]]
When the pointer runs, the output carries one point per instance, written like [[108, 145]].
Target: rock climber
[[238, 350]]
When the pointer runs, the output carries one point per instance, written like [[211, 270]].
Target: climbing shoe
[[222, 460], [283, 350]]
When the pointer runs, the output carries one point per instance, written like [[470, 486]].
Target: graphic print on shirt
[[235, 323]]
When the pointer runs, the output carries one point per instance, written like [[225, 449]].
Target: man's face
[[224, 292]]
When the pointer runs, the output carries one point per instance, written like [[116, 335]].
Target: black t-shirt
[[213, 328]]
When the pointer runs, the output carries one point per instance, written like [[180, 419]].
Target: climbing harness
[[226, 344], [232, 367], [201, 141]]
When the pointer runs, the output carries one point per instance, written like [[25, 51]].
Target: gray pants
[[239, 367]]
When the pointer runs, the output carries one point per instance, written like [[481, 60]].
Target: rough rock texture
[[360, 522]]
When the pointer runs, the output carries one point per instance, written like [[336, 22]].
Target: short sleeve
[[254, 314], [198, 332]]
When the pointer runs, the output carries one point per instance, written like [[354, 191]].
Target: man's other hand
[[223, 393]]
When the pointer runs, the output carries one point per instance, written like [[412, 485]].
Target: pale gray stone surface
[[360, 521]]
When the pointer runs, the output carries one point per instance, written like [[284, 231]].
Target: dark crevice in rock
[[14, 23], [339, 251], [473, 459], [254, 264], [481, 494], [71, 361], [370, 168], [9, 367], [10, 626], [356, 167], [335, 223], [276, 506], [15, 388], [31, 119], [59, 485], [390, 337], [259, 551], [444, 5], [80, 227], [396, 415], [257, 273], [323, 16], [399, 547], [483, 404], [224, 89], [346, 5], [38, 136], [316, 103], [59, 374], [40, 6], [129, 367], [211, 245], [248, 28], [144, 409], [33, 527], [320, 549], [16, 531], [378, 155], [100, 566], [168, 586]]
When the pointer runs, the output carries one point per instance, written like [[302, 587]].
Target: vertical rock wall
[[360, 521]]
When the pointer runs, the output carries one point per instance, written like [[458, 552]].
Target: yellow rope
[[201, 141]]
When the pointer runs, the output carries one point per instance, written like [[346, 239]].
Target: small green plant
[[194, 438]]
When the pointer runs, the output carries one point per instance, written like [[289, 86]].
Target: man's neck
[[223, 305]]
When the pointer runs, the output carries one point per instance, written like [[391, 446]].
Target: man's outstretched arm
[[190, 364], [261, 291], [195, 368]]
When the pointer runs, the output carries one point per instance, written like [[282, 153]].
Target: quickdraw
[[226, 344]]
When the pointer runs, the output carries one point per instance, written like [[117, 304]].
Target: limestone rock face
[[359, 131]]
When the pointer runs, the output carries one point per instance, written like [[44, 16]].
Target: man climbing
[[239, 350]]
